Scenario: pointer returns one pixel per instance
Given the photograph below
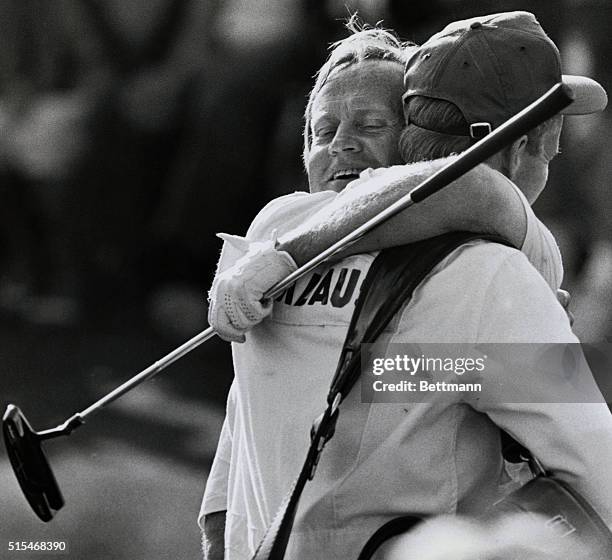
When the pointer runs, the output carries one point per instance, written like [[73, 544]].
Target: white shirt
[[388, 460]]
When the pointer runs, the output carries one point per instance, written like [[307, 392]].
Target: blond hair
[[364, 43]]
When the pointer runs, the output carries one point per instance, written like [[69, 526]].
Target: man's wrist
[[213, 538]]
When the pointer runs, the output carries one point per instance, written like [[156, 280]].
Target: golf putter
[[23, 443], [30, 463]]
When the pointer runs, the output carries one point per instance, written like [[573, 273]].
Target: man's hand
[[236, 295], [520, 535], [213, 538], [564, 299]]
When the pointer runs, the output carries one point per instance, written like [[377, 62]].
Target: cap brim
[[589, 95]]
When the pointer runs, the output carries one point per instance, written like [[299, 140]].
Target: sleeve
[[539, 245], [281, 214], [287, 212], [544, 394], [230, 253], [215, 494]]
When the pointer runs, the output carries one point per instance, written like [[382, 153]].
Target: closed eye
[[379, 125], [373, 125], [324, 132]]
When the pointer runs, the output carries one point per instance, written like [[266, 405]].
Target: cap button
[[476, 25]]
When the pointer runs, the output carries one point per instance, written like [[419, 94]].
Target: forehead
[[370, 85]]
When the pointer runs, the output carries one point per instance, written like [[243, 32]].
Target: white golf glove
[[236, 294]]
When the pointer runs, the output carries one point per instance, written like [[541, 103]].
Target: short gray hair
[[364, 43]]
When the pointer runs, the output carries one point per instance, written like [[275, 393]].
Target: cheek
[[387, 149], [315, 168], [542, 174], [537, 180]]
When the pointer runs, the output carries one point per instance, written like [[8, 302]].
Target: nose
[[345, 140]]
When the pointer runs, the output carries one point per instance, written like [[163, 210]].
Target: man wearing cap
[[463, 82], [488, 68], [389, 460]]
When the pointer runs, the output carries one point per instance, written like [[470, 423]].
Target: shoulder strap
[[393, 276], [390, 281]]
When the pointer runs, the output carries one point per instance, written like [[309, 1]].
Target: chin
[[335, 186], [339, 185]]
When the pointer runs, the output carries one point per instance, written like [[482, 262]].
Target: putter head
[[30, 464]]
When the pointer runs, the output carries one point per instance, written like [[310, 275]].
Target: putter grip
[[540, 110], [544, 108]]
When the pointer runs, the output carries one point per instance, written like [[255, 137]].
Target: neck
[[500, 162]]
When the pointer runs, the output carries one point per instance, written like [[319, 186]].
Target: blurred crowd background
[[131, 131]]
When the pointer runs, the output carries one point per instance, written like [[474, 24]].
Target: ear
[[514, 155]]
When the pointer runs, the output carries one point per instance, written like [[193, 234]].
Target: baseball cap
[[491, 67]]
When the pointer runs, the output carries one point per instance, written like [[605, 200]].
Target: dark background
[[131, 131]]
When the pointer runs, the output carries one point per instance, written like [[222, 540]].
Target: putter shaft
[[542, 109]]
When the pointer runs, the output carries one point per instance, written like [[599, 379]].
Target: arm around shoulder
[[482, 200]]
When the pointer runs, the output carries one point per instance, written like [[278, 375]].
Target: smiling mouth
[[345, 174]]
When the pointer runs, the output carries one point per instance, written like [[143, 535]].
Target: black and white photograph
[[305, 279]]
